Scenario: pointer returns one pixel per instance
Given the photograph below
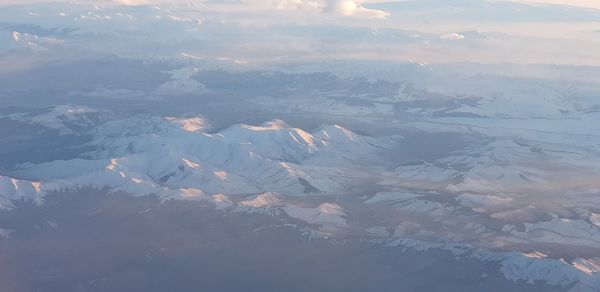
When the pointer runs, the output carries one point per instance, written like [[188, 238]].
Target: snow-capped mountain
[[66, 119], [164, 155], [483, 201]]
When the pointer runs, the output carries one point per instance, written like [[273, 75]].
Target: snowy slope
[[66, 119], [161, 155], [12, 189]]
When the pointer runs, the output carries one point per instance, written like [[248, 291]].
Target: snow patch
[[391, 196], [327, 214]]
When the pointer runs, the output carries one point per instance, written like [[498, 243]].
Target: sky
[[581, 3], [349, 3], [283, 31]]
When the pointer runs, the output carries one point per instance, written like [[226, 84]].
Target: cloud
[[350, 8], [35, 42], [132, 2], [297, 4], [16, 36], [353, 8], [452, 36]]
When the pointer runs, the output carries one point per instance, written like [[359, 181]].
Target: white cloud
[[35, 42], [131, 2], [297, 4], [452, 36], [353, 8], [350, 8], [16, 36]]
